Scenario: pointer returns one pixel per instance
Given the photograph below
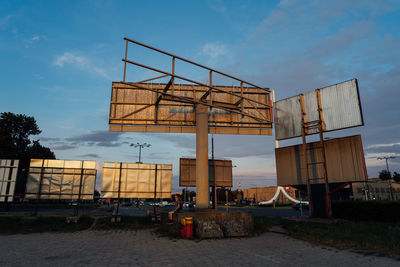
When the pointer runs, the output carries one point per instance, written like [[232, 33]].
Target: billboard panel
[[142, 107], [8, 176], [223, 172], [136, 180], [341, 108], [344, 161], [61, 179]]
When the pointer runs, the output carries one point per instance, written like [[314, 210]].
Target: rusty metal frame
[[168, 92]]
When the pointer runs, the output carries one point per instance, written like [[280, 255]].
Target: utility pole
[[390, 176]]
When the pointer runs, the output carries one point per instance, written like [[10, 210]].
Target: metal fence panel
[[61, 179], [8, 177], [341, 108], [223, 172], [344, 161], [136, 180]]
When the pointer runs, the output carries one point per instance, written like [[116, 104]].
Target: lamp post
[[140, 146], [387, 168]]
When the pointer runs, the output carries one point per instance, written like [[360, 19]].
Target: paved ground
[[143, 248]]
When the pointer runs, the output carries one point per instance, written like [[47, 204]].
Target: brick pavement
[[144, 248]]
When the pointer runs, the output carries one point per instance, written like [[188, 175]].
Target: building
[[376, 189], [259, 194]]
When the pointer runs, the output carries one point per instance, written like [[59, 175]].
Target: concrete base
[[212, 223]]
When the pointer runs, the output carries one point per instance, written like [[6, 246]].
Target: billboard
[[146, 107], [344, 162], [341, 108], [8, 176], [223, 172], [136, 180], [61, 179]]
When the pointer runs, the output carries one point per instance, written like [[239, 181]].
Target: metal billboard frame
[[8, 178], [311, 115], [340, 105], [201, 104], [122, 173], [51, 173], [220, 165]]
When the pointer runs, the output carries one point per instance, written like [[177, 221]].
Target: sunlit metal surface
[[344, 160], [61, 179], [234, 110], [136, 180], [8, 176], [223, 172], [341, 108]]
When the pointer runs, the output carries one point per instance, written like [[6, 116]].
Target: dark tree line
[[385, 175], [15, 130]]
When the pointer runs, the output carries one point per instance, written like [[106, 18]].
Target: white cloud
[[215, 52], [382, 145], [81, 62]]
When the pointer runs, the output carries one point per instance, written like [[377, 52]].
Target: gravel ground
[[144, 248]]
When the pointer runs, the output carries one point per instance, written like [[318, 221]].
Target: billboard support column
[[202, 189], [321, 140], [304, 132]]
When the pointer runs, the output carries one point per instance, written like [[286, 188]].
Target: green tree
[[15, 130], [396, 177], [385, 175]]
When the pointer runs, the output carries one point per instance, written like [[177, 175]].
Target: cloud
[[95, 138], [81, 62], [5, 21], [98, 138], [90, 156], [215, 52], [254, 178], [63, 147], [35, 38]]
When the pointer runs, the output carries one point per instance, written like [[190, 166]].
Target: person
[[178, 207]]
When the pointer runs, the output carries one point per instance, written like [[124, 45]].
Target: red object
[[189, 230], [183, 231], [287, 188]]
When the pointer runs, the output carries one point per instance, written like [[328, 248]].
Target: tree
[[396, 177], [15, 130], [385, 175]]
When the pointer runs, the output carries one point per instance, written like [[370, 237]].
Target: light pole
[[140, 146], [390, 176]]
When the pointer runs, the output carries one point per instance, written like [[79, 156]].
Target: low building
[[258, 194], [376, 189]]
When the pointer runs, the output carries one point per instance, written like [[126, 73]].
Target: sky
[[59, 58]]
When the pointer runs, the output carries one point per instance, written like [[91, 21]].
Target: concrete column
[[202, 189]]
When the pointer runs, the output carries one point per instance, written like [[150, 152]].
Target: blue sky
[[58, 59]]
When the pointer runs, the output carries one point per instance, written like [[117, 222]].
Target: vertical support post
[[214, 174], [321, 128], [119, 187], [155, 192], [202, 189], [80, 191], [304, 146], [273, 103], [173, 72], [126, 57]]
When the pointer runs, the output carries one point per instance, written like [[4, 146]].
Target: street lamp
[[390, 176], [140, 146]]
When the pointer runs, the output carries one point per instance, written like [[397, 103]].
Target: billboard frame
[[201, 106], [9, 168], [42, 168]]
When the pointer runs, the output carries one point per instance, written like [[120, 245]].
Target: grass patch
[[126, 223], [25, 225], [378, 238], [262, 224], [364, 237]]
